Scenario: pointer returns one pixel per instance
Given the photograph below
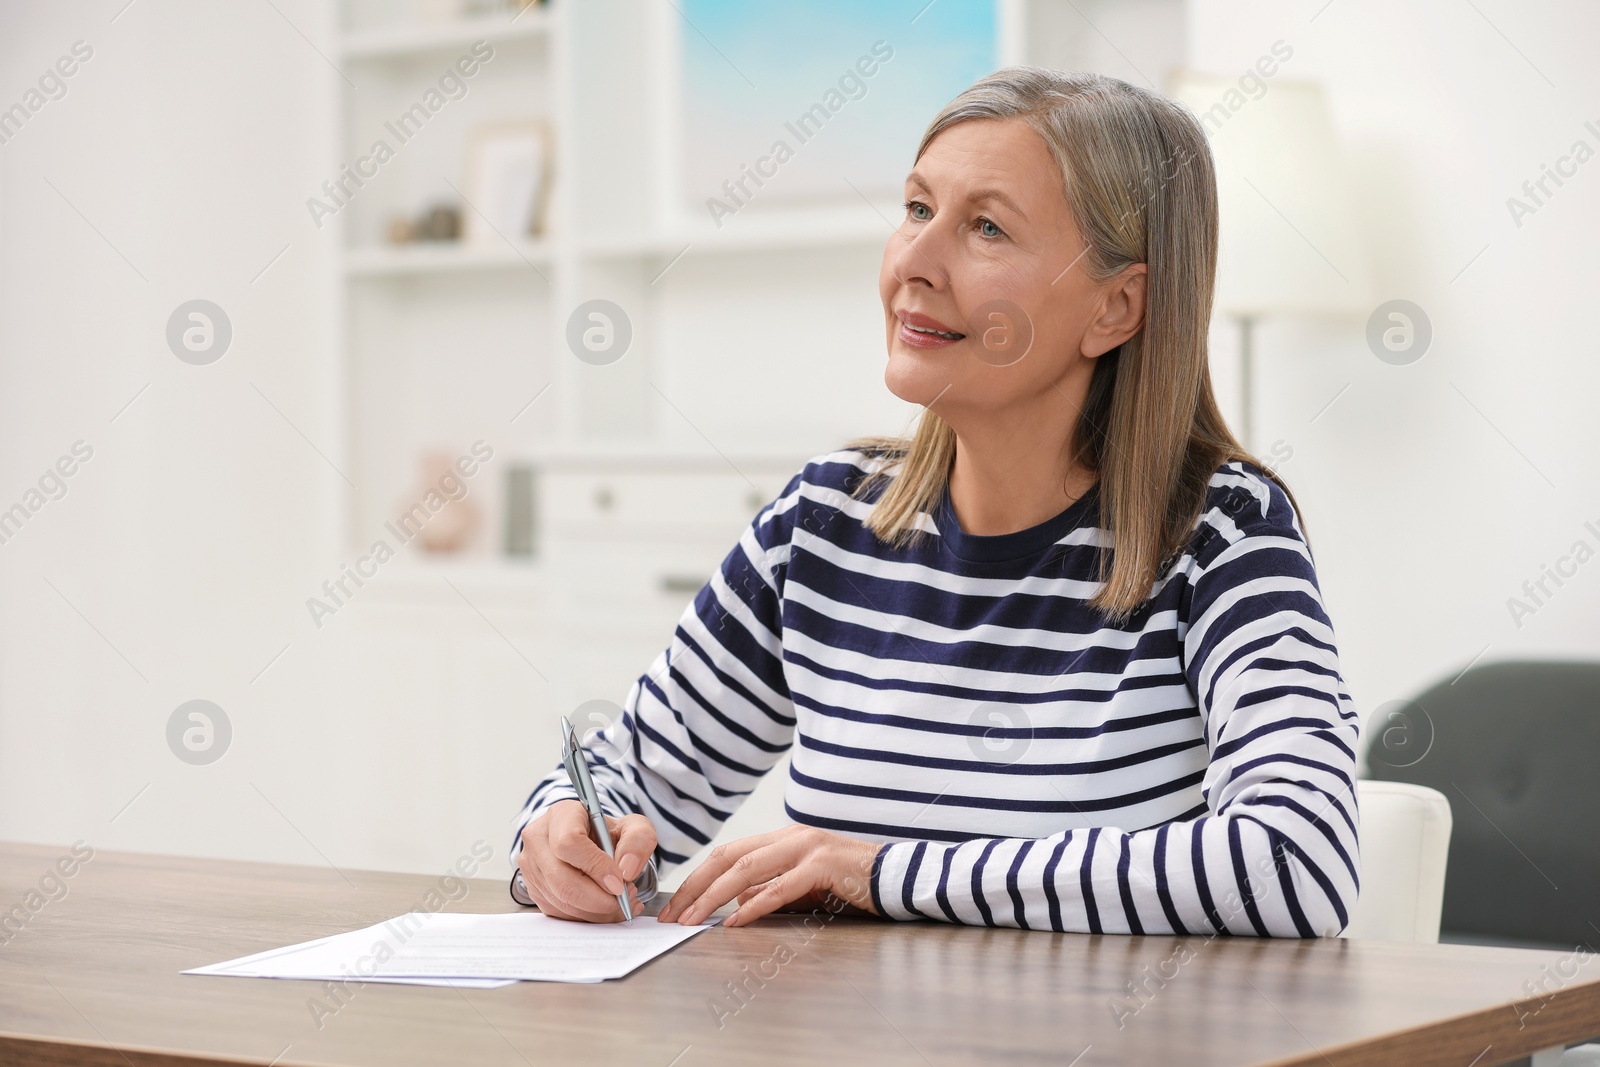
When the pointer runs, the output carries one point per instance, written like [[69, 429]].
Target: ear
[[1120, 313]]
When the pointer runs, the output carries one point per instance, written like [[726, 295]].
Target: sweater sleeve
[[711, 715], [1275, 852]]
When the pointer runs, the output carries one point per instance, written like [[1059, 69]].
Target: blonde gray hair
[[1138, 178]]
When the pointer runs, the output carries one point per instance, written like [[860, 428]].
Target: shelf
[[667, 456], [407, 41], [446, 257], [772, 232]]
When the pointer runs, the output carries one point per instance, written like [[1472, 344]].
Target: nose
[[917, 256]]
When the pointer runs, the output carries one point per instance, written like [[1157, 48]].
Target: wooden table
[[92, 978]]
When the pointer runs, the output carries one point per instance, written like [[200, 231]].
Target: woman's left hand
[[768, 871]]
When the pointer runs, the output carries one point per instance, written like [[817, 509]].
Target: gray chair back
[[1515, 746]]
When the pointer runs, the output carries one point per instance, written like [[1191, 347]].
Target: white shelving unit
[[445, 258], [410, 39], [446, 341]]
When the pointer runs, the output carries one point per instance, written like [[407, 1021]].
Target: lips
[[924, 331]]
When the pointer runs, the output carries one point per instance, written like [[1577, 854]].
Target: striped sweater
[[1020, 761]]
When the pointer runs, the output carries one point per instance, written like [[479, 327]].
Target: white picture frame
[[507, 181]]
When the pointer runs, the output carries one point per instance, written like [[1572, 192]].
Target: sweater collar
[[994, 548]]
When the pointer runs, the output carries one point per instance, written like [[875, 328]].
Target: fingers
[[756, 862], [558, 903], [768, 898], [572, 896], [571, 844], [565, 889], [773, 863], [634, 840], [718, 861]]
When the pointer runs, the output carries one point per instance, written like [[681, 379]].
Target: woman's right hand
[[569, 876]]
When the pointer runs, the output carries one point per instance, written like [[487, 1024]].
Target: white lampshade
[[1289, 243]]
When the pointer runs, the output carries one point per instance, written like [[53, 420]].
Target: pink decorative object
[[439, 517]]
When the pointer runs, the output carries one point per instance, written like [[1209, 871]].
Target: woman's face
[[986, 301]]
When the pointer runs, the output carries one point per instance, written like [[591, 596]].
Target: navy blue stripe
[[1297, 723], [749, 737], [1246, 648], [977, 882], [876, 881], [1316, 821], [1291, 899], [1163, 888], [1241, 878], [1125, 887], [1202, 884], [1013, 886], [647, 730], [1120, 724], [914, 796], [1317, 875], [941, 892], [1086, 882], [1052, 899], [987, 766], [908, 888]]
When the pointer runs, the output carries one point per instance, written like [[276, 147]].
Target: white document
[[257, 966], [471, 951]]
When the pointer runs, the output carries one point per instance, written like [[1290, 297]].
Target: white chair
[[1405, 838]]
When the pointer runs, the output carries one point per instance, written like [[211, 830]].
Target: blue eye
[[989, 229], [918, 210]]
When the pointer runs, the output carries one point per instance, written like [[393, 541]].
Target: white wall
[[1424, 516], [188, 143], [178, 564]]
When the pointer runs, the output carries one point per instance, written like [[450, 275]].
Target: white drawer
[[586, 505]]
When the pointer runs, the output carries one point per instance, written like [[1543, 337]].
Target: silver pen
[[577, 764]]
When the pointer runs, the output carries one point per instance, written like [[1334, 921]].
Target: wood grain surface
[[93, 978]]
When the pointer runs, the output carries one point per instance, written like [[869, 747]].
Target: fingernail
[[629, 866], [614, 884]]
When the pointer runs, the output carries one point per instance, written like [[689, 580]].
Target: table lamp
[[1289, 243]]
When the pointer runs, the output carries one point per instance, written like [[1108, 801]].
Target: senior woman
[[1057, 661]]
